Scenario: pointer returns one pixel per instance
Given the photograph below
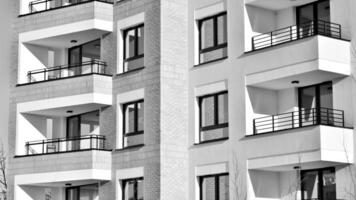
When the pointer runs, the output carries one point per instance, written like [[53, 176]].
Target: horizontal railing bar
[[296, 119], [295, 32]]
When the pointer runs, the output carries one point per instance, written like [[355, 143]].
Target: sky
[[5, 46]]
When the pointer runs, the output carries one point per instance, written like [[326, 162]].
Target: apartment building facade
[[180, 99]]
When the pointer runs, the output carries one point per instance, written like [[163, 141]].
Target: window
[[214, 187], [214, 117], [134, 48], [133, 189], [213, 38], [313, 18], [87, 192], [316, 105], [133, 125], [318, 184]]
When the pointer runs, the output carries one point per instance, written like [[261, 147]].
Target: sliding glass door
[[311, 18], [314, 101], [86, 192]]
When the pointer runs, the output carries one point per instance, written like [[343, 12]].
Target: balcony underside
[[276, 4], [309, 147]]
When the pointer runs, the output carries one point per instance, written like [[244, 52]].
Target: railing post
[[343, 118], [271, 38], [91, 142], [253, 43], [316, 26], [327, 116], [58, 145], [27, 148], [254, 126], [272, 123], [292, 119], [103, 139], [43, 144], [291, 33]]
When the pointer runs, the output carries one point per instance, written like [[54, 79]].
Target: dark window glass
[[214, 116], [134, 48], [133, 189], [214, 187], [319, 184], [316, 104], [313, 18], [133, 123], [213, 38], [86, 192]]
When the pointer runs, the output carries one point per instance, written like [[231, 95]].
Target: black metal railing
[[296, 32], [58, 72], [88, 142], [42, 5], [301, 118]]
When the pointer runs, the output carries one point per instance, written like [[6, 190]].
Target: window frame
[[136, 56], [78, 189], [217, 184], [216, 45], [135, 186], [216, 124], [136, 131], [320, 180]]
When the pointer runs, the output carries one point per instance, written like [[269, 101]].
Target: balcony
[[297, 32], [60, 145], [314, 59], [45, 5], [311, 138], [298, 119], [59, 169], [67, 71]]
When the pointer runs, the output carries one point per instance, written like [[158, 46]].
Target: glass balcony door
[[82, 125], [312, 100], [80, 58], [86, 192], [309, 17], [318, 184], [73, 131]]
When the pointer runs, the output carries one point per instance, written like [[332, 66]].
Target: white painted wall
[[342, 98], [6, 11], [35, 127], [33, 57], [339, 13], [265, 184]]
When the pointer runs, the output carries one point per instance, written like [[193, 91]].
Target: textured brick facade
[[164, 155]]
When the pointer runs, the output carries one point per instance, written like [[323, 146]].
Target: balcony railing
[[65, 71], [59, 145], [42, 5], [296, 32], [302, 118]]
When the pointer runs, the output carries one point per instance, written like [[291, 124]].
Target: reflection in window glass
[[134, 48], [213, 38], [133, 189], [314, 181], [133, 123], [214, 187], [207, 33], [214, 116]]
